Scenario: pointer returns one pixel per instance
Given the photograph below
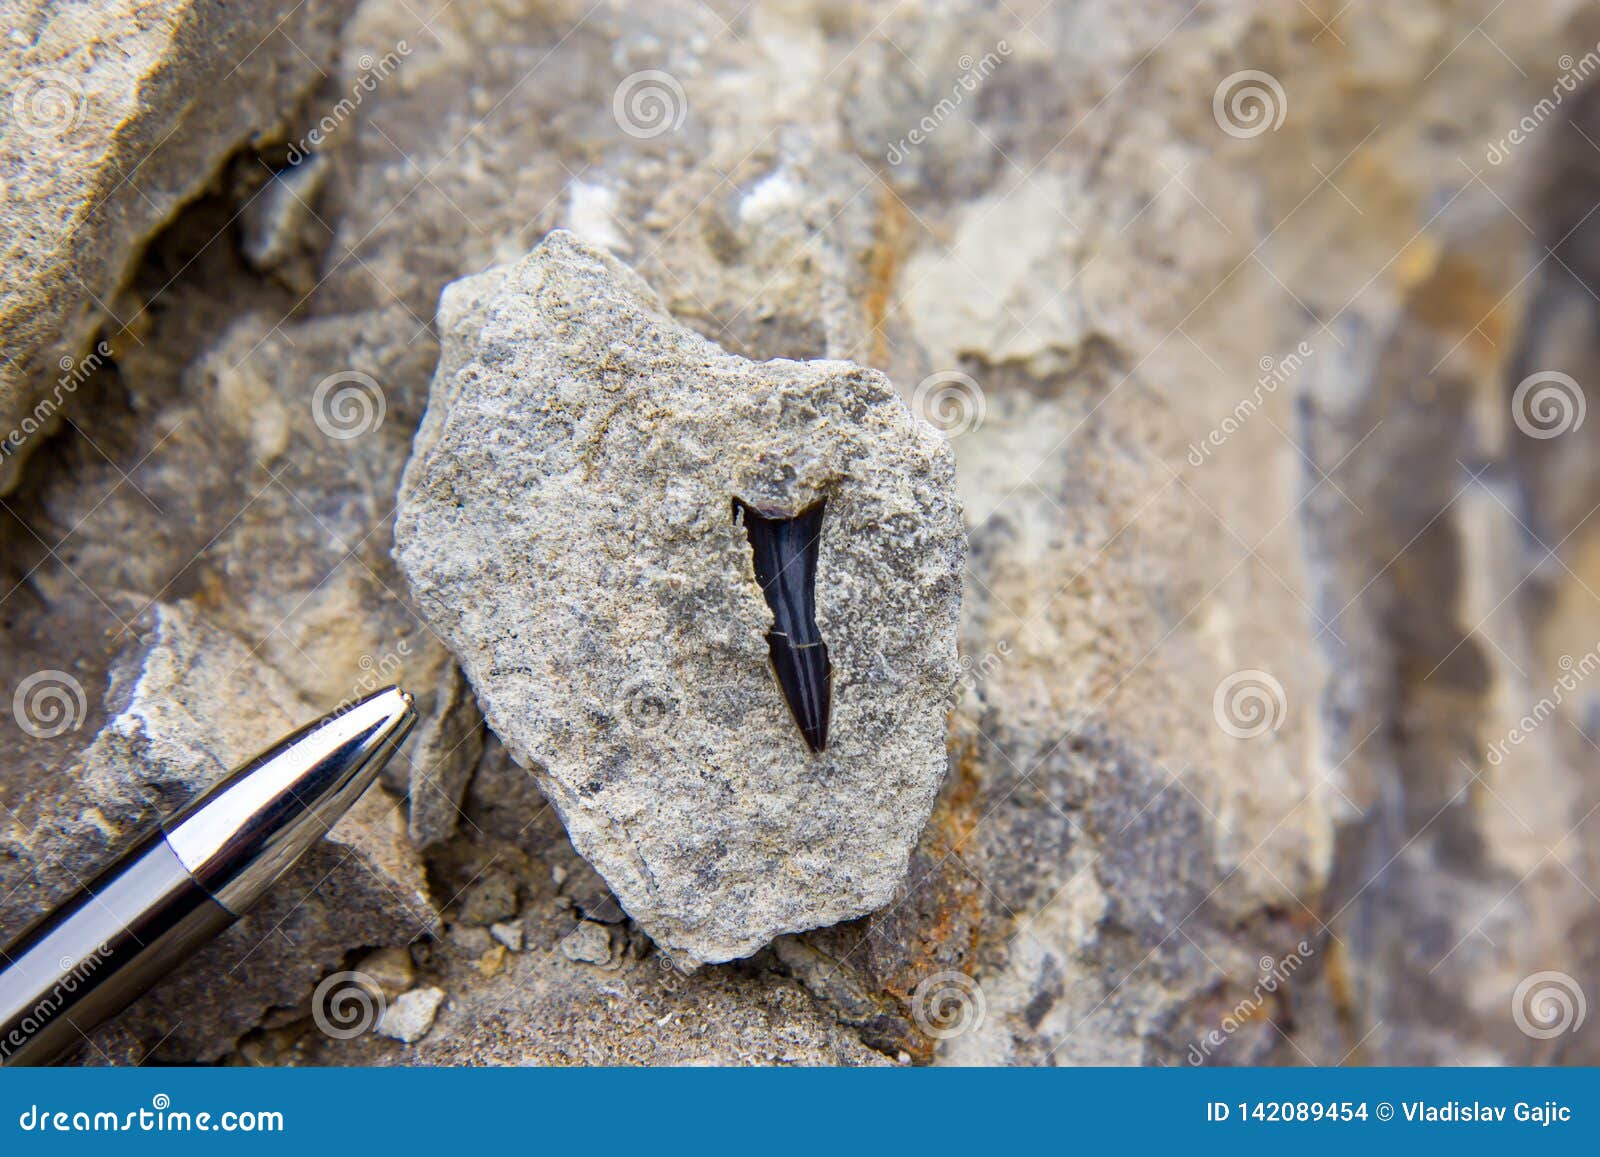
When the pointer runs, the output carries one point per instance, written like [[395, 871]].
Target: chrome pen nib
[[786, 551], [246, 831]]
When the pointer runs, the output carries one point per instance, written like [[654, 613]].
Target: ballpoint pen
[[188, 879]]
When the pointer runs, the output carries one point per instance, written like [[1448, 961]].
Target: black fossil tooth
[[785, 551]]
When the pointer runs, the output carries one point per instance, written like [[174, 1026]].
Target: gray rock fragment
[[511, 935], [586, 893], [588, 943], [471, 939], [566, 525], [447, 747], [490, 899], [279, 230]]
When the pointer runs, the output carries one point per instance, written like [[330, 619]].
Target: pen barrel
[[84, 963]]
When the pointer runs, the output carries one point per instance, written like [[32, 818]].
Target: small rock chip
[[391, 969], [588, 943], [411, 1014], [489, 900], [443, 755], [492, 961], [471, 939], [586, 889], [279, 231], [511, 935], [566, 524]]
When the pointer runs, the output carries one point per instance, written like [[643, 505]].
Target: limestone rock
[[566, 526], [279, 230], [511, 935], [390, 970], [490, 899], [120, 113]]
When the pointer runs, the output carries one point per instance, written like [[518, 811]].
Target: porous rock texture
[[1116, 266], [566, 524]]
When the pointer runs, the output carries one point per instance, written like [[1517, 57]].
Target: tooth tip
[[785, 551], [805, 676]]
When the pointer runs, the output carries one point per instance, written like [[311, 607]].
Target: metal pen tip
[[245, 832]]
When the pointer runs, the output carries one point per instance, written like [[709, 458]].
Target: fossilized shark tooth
[[786, 549]]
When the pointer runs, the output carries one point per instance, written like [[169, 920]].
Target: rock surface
[[120, 113], [566, 526]]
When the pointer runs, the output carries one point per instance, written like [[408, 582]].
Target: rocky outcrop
[[119, 114]]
